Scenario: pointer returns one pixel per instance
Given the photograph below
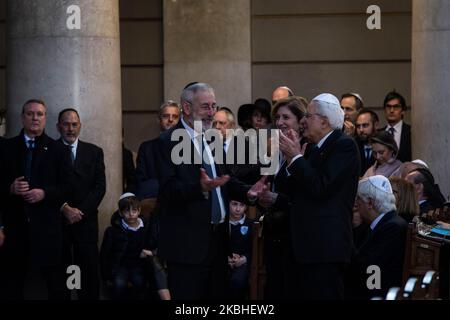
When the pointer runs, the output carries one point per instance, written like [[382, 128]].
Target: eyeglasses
[[206, 108], [393, 106]]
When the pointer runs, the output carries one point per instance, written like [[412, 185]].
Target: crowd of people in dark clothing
[[339, 201]]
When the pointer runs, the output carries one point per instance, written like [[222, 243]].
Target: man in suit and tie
[[34, 182], [394, 110], [366, 127], [323, 193], [193, 202], [80, 210], [384, 244], [146, 175]]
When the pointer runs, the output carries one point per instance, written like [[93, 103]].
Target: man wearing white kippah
[[322, 194], [384, 244]]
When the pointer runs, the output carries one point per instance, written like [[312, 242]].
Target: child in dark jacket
[[125, 253], [240, 250]]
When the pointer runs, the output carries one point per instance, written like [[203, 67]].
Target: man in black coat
[[383, 246], [34, 182], [366, 127], [146, 175], [80, 210], [394, 109], [323, 194], [192, 202]]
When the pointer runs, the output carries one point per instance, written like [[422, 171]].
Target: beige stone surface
[[430, 87]]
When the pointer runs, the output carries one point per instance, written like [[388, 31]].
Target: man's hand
[[146, 253], [34, 195], [19, 186], [349, 128], [2, 237], [209, 184], [290, 144], [73, 215], [238, 260], [267, 198], [257, 189]]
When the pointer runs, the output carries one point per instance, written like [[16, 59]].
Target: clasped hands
[[21, 188], [236, 260]]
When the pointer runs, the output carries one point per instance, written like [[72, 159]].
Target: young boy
[[125, 253], [240, 249]]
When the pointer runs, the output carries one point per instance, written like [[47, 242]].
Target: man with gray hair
[[383, 247], [146, 175], [193, 202], [323, 190]]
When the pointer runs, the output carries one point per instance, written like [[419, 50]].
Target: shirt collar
[[27, 138], [127, 227], [235, 223], [375, 222], [322, 141], [75, 144], [397, 126], [191, 131]]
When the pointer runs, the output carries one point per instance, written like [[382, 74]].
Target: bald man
[[281, 93]]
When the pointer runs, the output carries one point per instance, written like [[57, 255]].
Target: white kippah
[[357, 95], [421, 162], [127, 195], [328, 98], [381, 183]]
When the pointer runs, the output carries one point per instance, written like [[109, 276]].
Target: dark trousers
[[86, 256], [316, 281], [275, 261], [124, 275], [238, 282], [20, 279], [207, 280], [33, 283]]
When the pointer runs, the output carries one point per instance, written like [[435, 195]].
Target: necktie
[[216, 214], [72, 156], [392, 130], [368, 153], [29, 160]]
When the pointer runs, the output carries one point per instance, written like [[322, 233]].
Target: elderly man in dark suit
[[80, 210], [192, 201], [34, 182], [322, 194], [384, 244]]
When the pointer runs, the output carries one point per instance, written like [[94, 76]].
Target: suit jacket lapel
[[318, 154]]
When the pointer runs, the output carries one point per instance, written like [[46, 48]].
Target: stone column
[[208, 41], [431, 87], [67, 67]]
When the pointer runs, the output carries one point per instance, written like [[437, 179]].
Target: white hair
[[383, 201], [333, 112], [189, 92]]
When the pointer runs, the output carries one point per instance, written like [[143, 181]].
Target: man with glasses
[[394, 110], [323, 190], [193, 202]]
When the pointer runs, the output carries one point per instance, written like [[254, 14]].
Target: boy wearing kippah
[[125, 252]]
